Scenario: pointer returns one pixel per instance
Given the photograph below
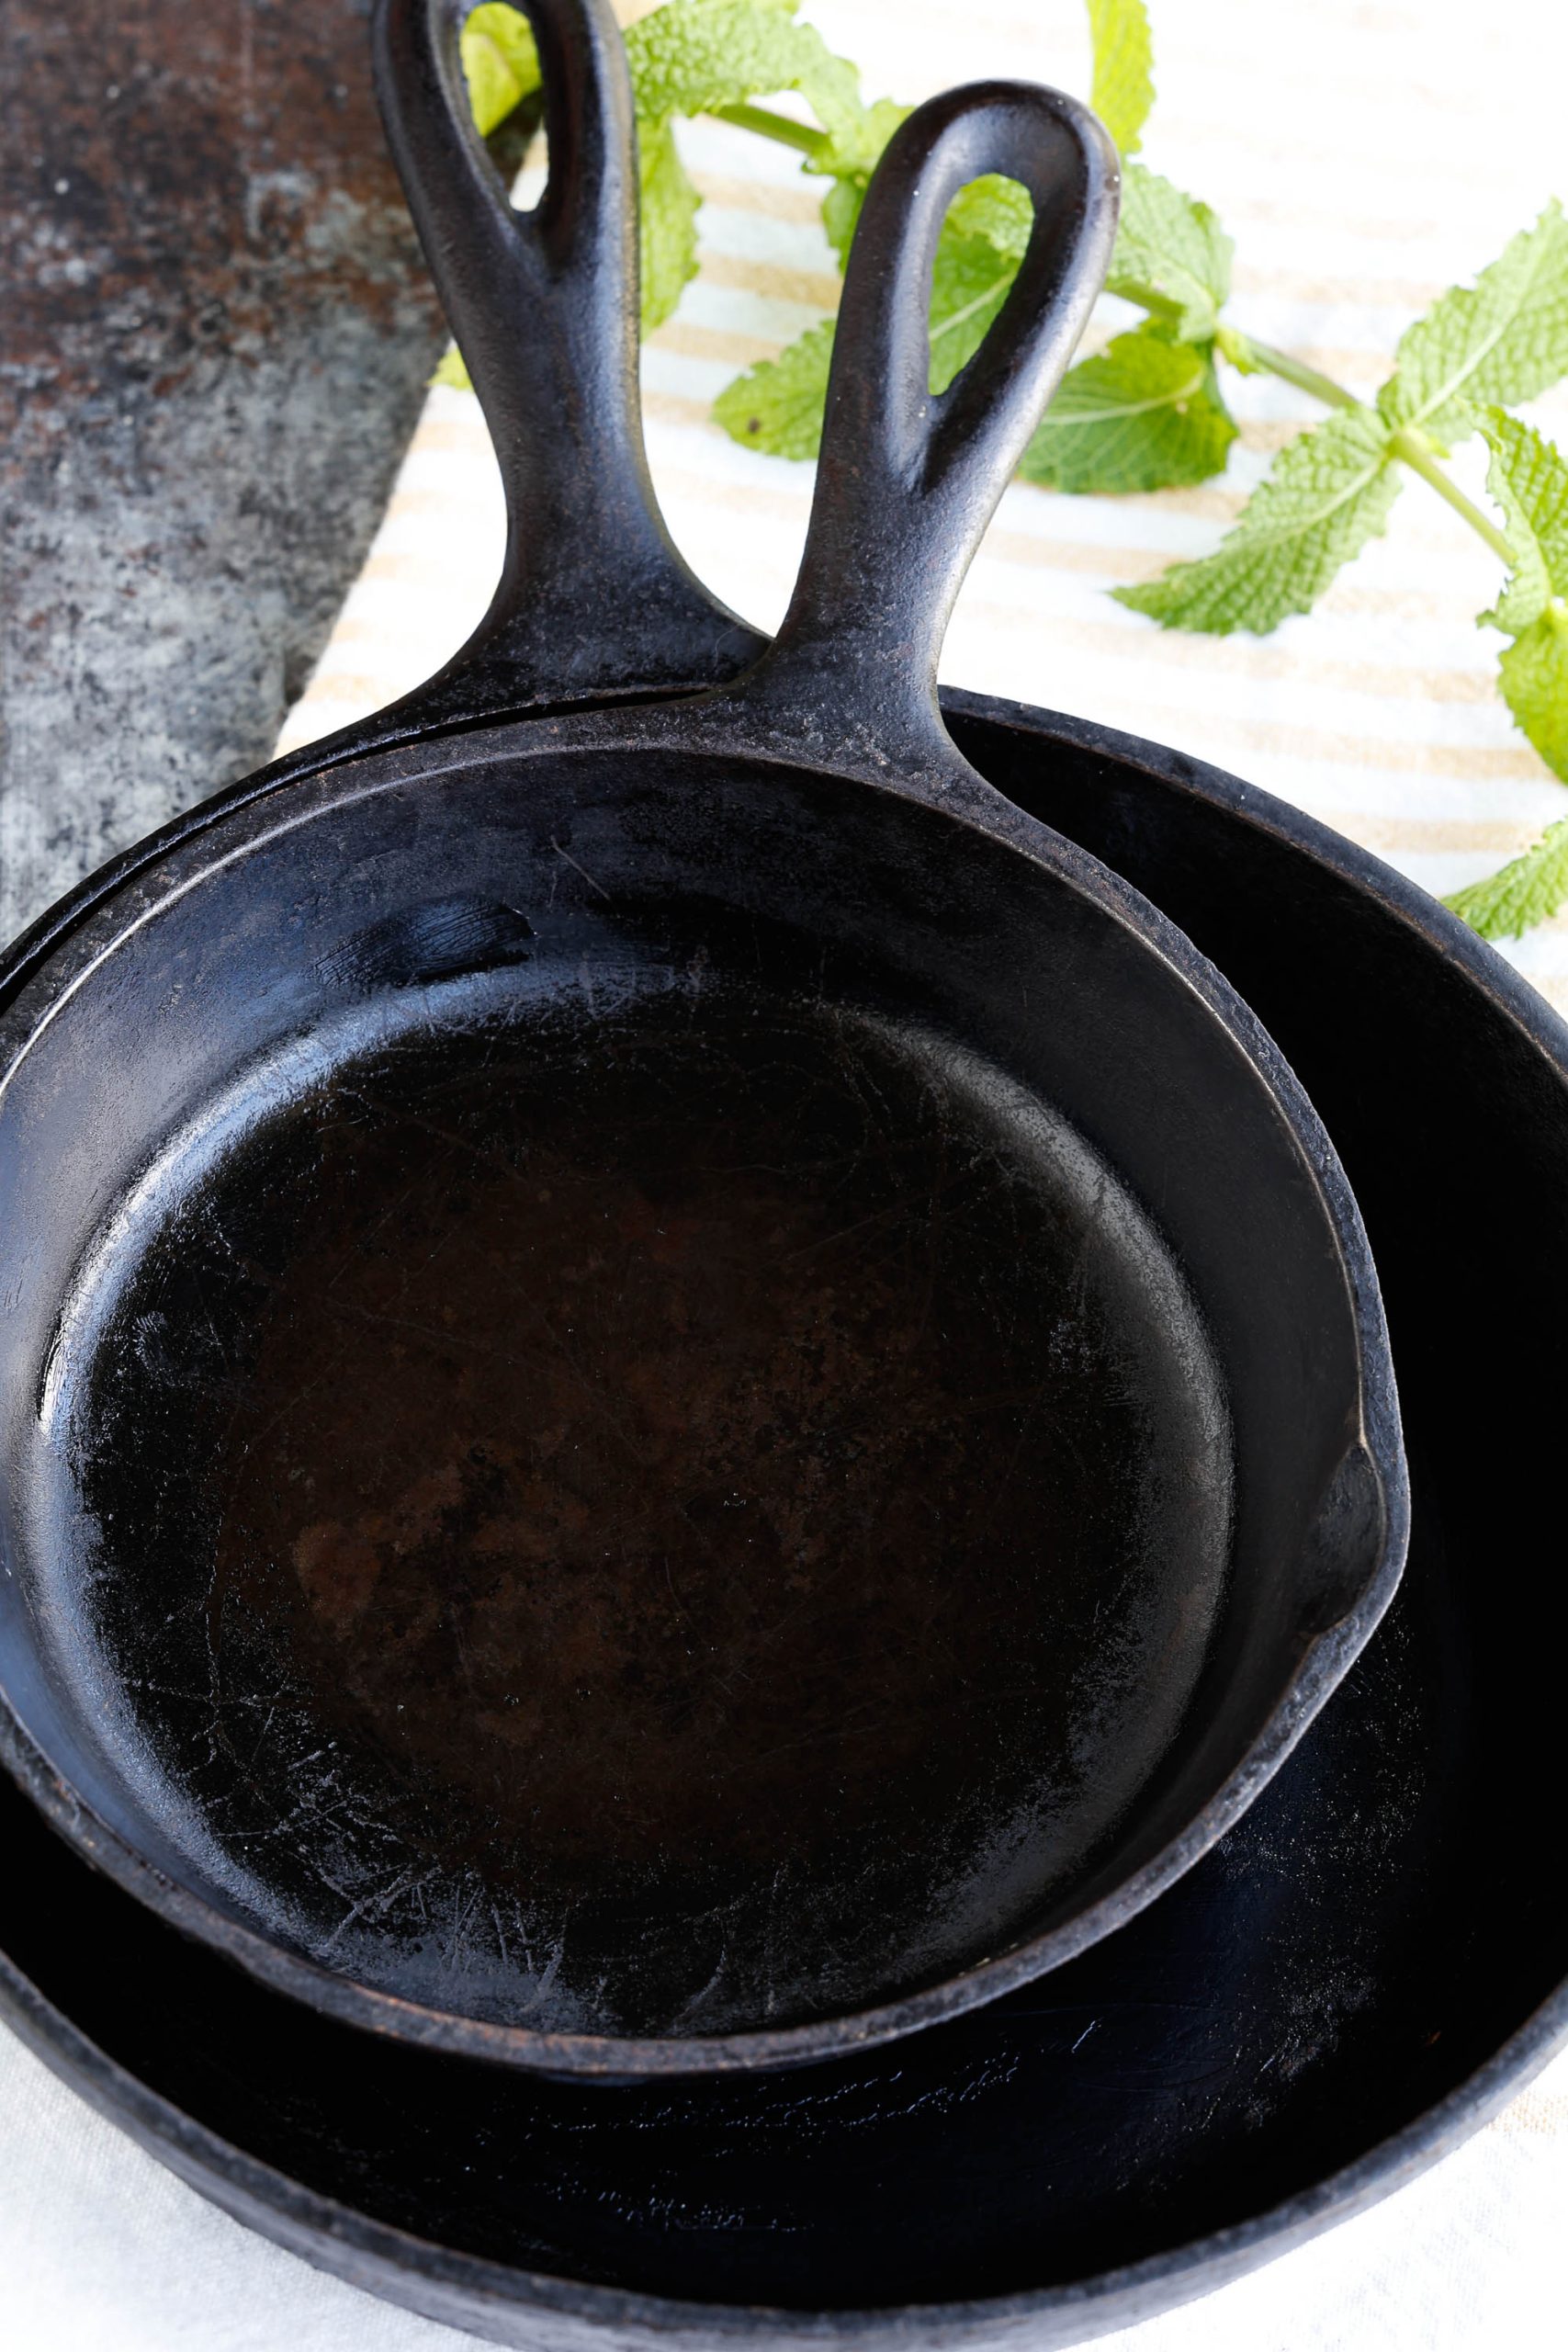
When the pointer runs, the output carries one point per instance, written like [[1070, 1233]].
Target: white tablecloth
[[1364, 154]]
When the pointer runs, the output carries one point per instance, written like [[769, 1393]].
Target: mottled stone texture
[[215, 328]]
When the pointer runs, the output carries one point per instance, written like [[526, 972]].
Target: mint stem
[[1420, 461], [1412, 448], [769, 125], [1296, 371]]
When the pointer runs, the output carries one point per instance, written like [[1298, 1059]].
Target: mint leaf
[[669, 223], [693, 56], [1124, 88], [777, 405], [969, 284], [850, 159], [853, 149], [999, 211], [501, 63], [1171, 255], [1529, 479], [699, 56], [1520, 894], [1329, 491], [1533, 674], [1145, 413], [1505, 338], [840, 210]]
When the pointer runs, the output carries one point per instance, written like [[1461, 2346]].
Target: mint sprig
[[1148, 412]]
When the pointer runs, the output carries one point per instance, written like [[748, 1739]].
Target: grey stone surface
[[215, 332]]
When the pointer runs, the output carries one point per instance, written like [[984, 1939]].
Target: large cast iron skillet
[[679, 1393], [1362, 1971]]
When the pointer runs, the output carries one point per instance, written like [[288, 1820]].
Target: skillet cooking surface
[[706, 1481]]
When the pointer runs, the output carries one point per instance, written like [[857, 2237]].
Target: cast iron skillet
[[621, 1451], [1363, 1970]]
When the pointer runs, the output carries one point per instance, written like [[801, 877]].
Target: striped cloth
[[1364, 154]]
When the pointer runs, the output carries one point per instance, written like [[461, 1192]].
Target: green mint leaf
[[1529, 479], [1520, 894], [777, 405], [1505, 338], [669, 222], [999, 211], [1124, 88], [1145, 413], [851, 160], [840, 210], [853, 150], [1533, 674], [691, 56], [501, 63], [1171, 255], [1329, 491], [969, 284], [694, 57]]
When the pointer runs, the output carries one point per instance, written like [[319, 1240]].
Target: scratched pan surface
[[1359, 1974]]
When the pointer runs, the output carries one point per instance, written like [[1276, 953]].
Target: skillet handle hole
[[972, 275], [505, 90]]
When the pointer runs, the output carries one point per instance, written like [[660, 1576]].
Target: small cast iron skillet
[[679, 1393]]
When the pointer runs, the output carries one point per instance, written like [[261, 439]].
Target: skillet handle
[[595, 598], [908, 478]]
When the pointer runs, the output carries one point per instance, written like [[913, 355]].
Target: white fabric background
[[1364, 154]]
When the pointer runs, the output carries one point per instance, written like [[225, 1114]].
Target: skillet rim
[[716, 729]]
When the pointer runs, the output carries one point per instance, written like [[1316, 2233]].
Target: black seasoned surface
[[682, 1488]]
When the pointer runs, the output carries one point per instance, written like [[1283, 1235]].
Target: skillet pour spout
[[680, 1394]]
